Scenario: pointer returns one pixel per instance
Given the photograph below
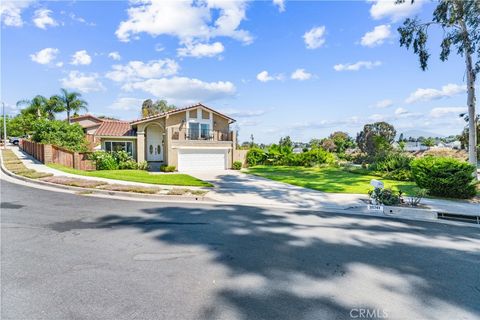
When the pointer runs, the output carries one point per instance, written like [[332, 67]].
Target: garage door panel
[[201, 159]]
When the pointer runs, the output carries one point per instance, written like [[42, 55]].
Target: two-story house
[[192, 138]]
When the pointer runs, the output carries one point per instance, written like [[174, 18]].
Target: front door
[[154, 144]]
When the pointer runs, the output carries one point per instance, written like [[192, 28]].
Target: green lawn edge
[[328, 179], [173, 179]]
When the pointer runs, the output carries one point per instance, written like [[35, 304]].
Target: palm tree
[[53, 105], [35, 106], [71, 101]]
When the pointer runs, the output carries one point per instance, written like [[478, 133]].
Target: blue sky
[[303, 69]]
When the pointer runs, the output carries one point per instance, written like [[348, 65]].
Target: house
[[191, 138], [415, 146]]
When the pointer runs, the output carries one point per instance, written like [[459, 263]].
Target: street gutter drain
[[459, 217]]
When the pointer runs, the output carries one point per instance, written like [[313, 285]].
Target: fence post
[[47, 153], [76, 160]]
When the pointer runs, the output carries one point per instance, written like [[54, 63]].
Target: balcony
[[201, 135]]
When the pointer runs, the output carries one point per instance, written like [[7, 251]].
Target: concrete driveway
[[234, 186]]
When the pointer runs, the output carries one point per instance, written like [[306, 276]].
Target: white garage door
[[201, 159]]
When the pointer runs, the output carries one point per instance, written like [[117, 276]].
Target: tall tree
[[53, 106], [376, 138], [460, 22], [150, 108], [71, 102], [35, 106]]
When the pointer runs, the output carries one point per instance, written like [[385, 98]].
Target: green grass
[[138, 176], [327, 179]]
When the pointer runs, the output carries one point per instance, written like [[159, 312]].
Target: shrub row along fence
[[47, 153]]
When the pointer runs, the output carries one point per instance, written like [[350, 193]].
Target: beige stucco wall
[[220, 123], [84, 122]]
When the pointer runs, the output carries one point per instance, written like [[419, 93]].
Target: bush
[[104, 160], [256, 156], [394, 165], [386, 197], [165, 168], [237, 165], [313, 157], [128, 165], [142, 165], [444, 177], [60, 133]]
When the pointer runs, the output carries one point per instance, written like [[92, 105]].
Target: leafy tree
[[460, 22], [315, 143], [286, 142], [150, 108], [429, 142], [328, 145], [376, 138], [59, 133], [342, 141], [53, 106], [70, 102]]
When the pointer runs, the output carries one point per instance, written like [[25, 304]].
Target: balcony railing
[[199, 134]]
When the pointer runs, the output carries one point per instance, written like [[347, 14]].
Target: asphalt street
[[66, 256]]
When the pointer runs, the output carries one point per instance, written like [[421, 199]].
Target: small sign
[[375, 207]]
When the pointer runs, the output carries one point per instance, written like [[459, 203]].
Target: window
[[119, 145], [204, 130]]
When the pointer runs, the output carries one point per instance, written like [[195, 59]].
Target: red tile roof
[[113, 128], [160, 115], [85, 116]]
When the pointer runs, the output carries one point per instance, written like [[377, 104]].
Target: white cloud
[[45, 56], [59, 64], [377, 36], [81, 58], [446, 91], [115, 55], [280, 4], [138, 70], [42, 19], [126, 104], [187, 20], [184, 90], [81, 20], [82, 82], [199, 50], [11, 12], [264, 76], [400, 111], [389, 9], [377, 117], [384, 104], [315, 37], [357, 66], [440, 112], [301, 74]]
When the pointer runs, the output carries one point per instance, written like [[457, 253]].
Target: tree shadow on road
[[305, 265]]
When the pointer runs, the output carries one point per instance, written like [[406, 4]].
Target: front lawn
[[327, 179], [176, 179]]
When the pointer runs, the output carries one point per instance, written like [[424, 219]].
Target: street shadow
[[313, 265]]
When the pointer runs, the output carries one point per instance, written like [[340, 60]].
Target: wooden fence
[[47, 153]]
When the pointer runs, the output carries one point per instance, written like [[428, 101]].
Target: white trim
[[134, 149]]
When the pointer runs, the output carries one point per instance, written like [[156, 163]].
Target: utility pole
[[4, 128]]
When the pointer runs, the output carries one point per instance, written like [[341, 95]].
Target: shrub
[[128, 165], [386, 197], [255, 156], [143, 165], [165, 168], [237, 165], [445, 177], [104, 160], [394, 165], [314, 157]]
